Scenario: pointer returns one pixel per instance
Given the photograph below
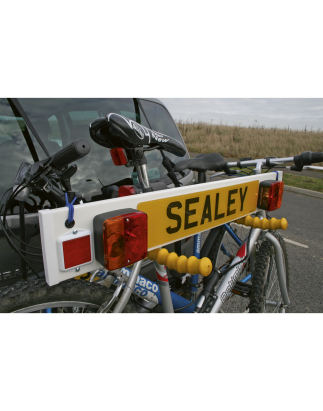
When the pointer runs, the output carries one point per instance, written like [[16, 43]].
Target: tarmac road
[[305, 226]]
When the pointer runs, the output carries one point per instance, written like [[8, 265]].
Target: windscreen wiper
[[18, 111]]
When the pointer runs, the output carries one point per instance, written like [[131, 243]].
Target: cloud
[[281, 112]]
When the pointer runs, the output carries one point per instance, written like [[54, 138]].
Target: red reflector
[[119, 156], [124, 240], [125, 191], [270, 195], [77, 252]]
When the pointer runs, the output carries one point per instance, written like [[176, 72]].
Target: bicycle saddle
[[115, 130], [202, 162]]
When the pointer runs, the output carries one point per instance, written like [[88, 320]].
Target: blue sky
[[295, 113]]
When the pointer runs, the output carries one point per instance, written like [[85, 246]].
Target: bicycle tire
[[265, 284], [69, 296]]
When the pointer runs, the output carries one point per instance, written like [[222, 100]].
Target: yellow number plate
[[170, 219]]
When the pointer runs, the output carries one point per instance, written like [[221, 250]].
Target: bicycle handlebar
[[74, 151], [305, 159], [308, 158]]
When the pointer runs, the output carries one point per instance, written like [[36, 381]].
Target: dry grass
[[256, 142]]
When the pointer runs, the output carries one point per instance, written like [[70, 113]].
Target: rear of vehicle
[[58, 122]]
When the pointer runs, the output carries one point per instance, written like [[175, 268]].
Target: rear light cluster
[[124, 239], [270, 195], [119, 156]]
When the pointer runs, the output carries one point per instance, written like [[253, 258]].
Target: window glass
[[55, 134], [160, 121], [61, 121], [13, 147], [83, 117]]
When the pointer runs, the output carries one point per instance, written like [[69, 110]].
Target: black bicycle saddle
[[115, 130], [202, 162]]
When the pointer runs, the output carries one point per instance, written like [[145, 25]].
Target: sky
[[295, 113]]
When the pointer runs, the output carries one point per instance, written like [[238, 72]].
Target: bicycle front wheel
[[265, 291], [71, 296]]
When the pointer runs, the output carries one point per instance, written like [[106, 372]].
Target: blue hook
[[70, 209]]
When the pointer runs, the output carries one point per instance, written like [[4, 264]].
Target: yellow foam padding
[[182, 264], [264, 224]]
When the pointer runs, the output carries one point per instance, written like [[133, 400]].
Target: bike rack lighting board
[[172, 215]]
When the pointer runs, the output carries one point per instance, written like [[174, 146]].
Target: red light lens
[[270, 195], [77, 252], [119, 156], [125, 240], [125, 191], [136, 237], [276, 192]]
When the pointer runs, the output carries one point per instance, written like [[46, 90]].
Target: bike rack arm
[[129, 288], [281, 269]]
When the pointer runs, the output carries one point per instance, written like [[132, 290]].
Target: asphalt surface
[[305, 226]]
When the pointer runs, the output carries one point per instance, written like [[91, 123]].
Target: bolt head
[[127, 220], [77, 269], [128, 261], [74, 232]]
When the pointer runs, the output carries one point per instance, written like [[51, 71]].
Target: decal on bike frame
[[171, 219]]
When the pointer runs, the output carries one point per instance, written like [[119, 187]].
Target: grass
[[255, 142], [309, 183]]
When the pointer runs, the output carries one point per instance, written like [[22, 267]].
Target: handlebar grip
[[308, 158], [317, 157], [74, 151]]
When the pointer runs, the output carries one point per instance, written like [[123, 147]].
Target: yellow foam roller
[[264, 224], [182, 264]]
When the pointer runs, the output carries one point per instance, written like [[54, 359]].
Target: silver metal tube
[[164, 289], [143, 176], [129, 289], [107, 304], [281, 268], [93, 275], [229, 280], [252, 163]]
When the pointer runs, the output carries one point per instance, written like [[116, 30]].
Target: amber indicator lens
[[119, 156], [270, 195], [124, 240]]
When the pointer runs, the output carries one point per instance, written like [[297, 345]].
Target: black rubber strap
[[20, 110]]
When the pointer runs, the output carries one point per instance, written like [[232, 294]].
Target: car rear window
[[61, 121]]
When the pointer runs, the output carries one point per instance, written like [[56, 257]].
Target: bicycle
[[80, 296]]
